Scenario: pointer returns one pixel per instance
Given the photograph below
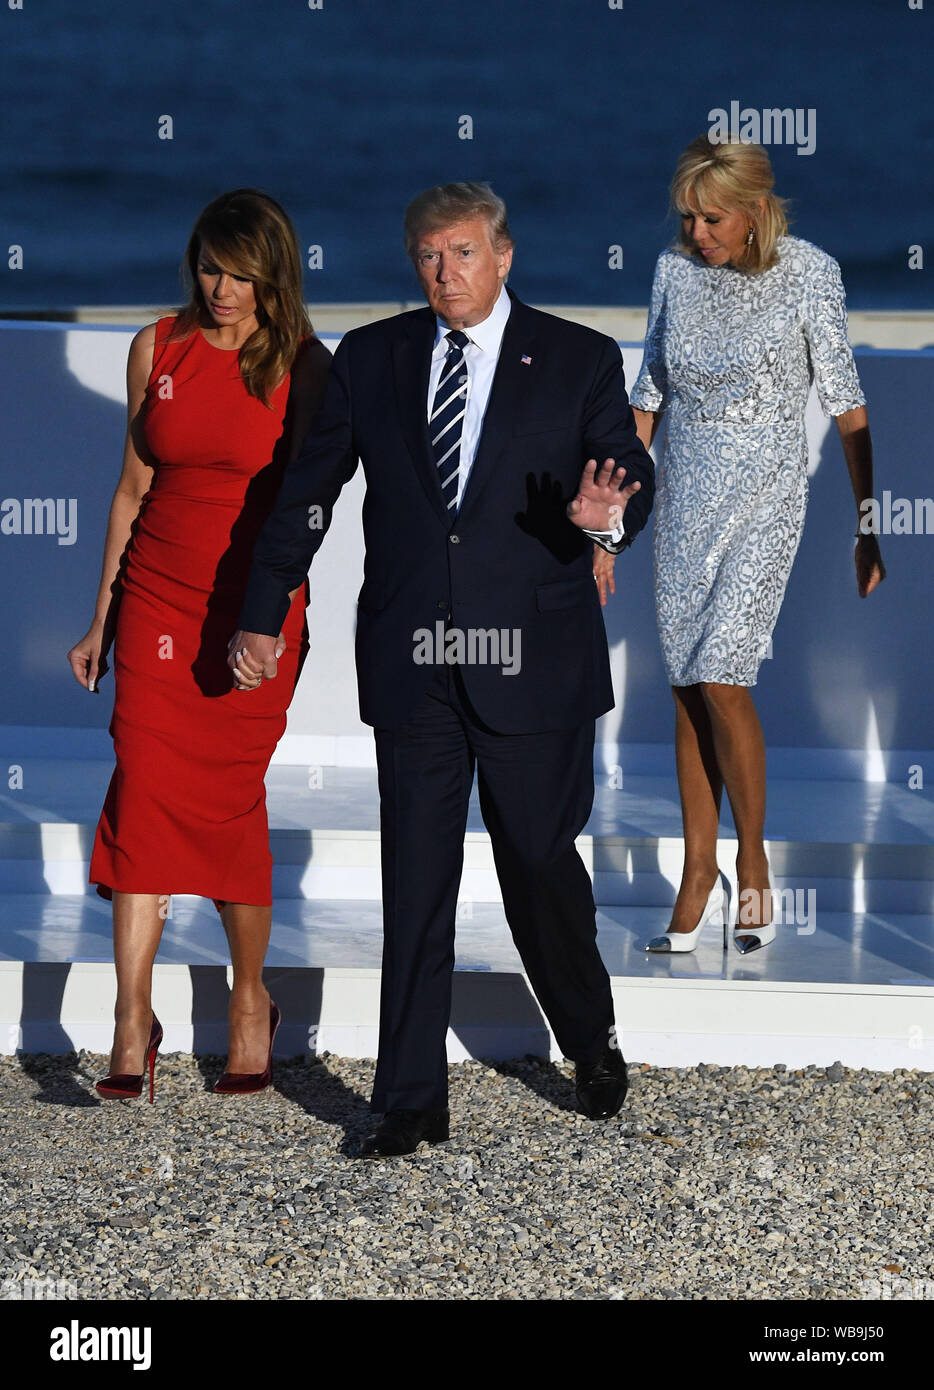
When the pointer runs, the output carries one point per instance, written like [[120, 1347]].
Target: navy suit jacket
[[510, 561]]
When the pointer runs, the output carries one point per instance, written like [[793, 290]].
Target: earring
[[750, 236]]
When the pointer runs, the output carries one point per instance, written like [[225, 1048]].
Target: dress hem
[[106, 891]]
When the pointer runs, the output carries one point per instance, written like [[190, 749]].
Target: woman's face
[[718, 236], [229, 299]]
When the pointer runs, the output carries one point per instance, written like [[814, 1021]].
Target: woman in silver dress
[[742, 318]]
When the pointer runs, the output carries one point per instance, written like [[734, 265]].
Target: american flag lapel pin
[[526, 360]]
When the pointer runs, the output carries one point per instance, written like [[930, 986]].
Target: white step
[[853, 981], [626, 870]]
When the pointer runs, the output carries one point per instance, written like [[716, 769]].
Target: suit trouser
[[536, 793]]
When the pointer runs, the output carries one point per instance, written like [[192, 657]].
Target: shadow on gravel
[[542, 1077], [319, 1092], [44, 1048], [60, 1079]]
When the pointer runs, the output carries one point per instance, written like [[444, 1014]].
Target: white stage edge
[[672, 1023]]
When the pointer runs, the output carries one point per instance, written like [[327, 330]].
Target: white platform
[[852, 979], [844, 702], [678, 1021]]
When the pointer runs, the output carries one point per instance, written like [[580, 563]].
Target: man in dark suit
[[496, 441]]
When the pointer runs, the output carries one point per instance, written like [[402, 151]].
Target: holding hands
[[253, 657]]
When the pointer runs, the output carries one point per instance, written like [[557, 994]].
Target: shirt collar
[[488, 335]]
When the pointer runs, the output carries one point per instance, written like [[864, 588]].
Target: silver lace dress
[[730, 356]]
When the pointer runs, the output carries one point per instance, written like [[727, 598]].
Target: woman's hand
[[248, 674], [870, 571], [853, 427], [603, 563], [86, 657]]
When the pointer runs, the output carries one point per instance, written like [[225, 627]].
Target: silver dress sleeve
[[651, 389], [835, 375]]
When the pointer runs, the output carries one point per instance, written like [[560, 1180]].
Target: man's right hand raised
[[253, 657]]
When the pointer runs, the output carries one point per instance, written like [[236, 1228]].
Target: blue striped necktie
[[447, 416]]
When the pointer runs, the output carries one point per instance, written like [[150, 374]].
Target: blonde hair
[[447, 203], [734, 177], [248, 234]]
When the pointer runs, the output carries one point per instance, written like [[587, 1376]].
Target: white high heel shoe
[[718, 903], [753, 938]]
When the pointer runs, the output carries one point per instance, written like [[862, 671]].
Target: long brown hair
[[250, 235]]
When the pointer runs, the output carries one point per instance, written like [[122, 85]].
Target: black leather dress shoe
[[601, 1086], [402, 1131]]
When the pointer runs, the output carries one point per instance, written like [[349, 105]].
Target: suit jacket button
[[455, 540], [442, 603]]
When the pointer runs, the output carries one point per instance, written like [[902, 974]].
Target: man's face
[[460, 272]]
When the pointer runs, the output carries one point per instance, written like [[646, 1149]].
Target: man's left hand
[[602, 497]]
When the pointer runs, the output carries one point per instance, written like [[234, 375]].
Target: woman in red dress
[[219, 398]]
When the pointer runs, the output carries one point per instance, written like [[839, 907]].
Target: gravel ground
[[714, 1183]]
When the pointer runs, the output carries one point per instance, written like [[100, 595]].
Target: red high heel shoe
[[240, 1083], [122, 1086]]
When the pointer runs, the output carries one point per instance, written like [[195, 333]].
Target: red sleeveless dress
[[186, 808]]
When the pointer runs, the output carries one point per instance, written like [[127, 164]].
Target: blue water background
[[343, 113]]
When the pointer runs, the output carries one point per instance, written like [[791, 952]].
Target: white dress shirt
[[481, 355]]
